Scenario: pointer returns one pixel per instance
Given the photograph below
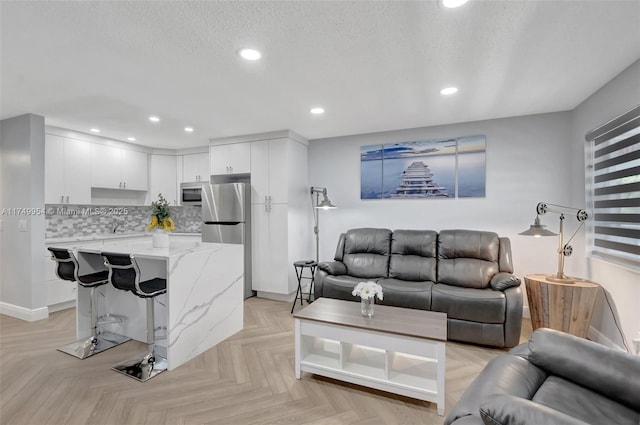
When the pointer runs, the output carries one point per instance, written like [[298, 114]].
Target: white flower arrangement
[[368, 290]]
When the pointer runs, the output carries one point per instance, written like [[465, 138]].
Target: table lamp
[[564, 249]]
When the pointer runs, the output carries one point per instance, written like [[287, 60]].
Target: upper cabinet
[[135, 170], [270, 170], [67, 171], [234, 158], [117, 168], [195, 167], [163, 171]]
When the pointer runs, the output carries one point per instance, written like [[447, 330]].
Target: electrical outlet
[[22, 225]]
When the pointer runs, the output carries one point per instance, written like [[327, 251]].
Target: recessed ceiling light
[[188, 129], [449, 90], [153, 118], [131, 139], [453, 3], [95, 130], [317, 111], [250, 54]]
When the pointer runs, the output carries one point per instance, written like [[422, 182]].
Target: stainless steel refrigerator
[[226, 217]]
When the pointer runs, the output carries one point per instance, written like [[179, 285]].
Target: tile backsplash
[[64, 220]]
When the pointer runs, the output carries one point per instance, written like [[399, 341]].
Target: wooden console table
[[566, 307]]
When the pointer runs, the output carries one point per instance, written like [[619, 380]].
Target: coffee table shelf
[[357, 351]]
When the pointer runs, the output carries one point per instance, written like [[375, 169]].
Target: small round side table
[[565, 307], [300, 266]]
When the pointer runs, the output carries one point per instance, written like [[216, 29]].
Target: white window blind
[[614, 192]]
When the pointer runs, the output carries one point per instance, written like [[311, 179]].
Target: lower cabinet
[[272, 272]]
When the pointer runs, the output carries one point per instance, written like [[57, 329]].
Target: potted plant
[[161, 221]]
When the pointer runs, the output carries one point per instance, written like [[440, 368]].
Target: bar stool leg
[[150, 365], [95, 343]]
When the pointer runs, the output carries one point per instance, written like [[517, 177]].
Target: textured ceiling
[[373, 66]]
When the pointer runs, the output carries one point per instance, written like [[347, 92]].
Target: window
[[614, 189]]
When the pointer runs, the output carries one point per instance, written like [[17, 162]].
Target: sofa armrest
[[612, 373], [513, 316], [335, 268], [503, 280], [506, 374], [510, 410]]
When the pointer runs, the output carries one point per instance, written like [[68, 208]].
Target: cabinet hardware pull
[[266, 208], [62, 199], [124, 185], [67, 199]]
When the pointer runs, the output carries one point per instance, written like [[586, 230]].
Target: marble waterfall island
[[204, 303]]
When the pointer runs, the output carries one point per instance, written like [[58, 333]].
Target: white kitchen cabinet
[[106, 166], [135, 170], [280, 213], [270, 170], [195, 167], [163, 171], [117, 168], [271, 271], [67, 171], [233, 158]]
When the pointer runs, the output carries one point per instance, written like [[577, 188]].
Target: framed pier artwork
[[424, 169]]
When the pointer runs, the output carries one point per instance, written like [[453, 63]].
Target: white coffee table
[[398, 350]]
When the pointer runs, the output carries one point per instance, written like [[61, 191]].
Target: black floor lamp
[[318, 205]]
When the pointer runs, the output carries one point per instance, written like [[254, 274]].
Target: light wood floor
[[247, 379]]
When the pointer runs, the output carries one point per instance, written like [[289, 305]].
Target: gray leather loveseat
[[554, 379], [464, 273]]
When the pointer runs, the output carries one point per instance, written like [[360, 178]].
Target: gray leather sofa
[[465, 273], [555, 378]]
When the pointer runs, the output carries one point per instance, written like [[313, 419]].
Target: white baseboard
[[22, 313], [62, 306], [275, 297]]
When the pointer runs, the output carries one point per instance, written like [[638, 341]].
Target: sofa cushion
[[476, 305], [413, 255], [366, 252], [467, 258], [582, 403], [408, 294], [340, 287]]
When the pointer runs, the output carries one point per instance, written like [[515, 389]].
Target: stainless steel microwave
[[191, 193]]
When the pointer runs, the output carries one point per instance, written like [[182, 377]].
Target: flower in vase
[[160, 215], [368, 290]]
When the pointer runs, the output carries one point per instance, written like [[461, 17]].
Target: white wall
[[529, 159], [526, 159], [22, 181], [622, 284]]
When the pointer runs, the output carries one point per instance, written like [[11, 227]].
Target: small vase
[[160, 239], [366, 306]]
